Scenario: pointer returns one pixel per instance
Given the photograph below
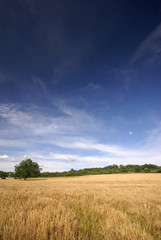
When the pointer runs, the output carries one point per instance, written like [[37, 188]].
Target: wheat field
[[102, 207]]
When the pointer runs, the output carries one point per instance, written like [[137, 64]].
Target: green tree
[[26, 169], [3, 175], [137, 168]]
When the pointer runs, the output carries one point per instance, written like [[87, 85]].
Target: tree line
[[146, 168], [29, 169]]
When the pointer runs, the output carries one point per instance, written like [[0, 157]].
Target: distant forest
[[146, 168]]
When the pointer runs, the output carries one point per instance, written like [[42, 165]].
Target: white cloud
[[61, 162], [64, 141], [7, 166], [7, 158], [111, 150], [91, 87], [150, 48], [94, 86], [35, 122]]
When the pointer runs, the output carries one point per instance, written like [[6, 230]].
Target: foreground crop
[[91, 207]]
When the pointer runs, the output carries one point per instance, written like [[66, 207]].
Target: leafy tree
[[159, 170], [3, 175], [137, 169], [27, 168]]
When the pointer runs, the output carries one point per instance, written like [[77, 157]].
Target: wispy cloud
[[97, 154], [68, 138], [34, 121], [29, 127], [94, 86], [102, 156], [150, 49], [108, 150], [7, 158]]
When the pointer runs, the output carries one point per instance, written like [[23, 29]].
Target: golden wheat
[[103, 207]]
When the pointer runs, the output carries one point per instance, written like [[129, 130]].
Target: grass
[[102, 207]]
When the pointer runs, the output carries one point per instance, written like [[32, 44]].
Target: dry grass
[[125, 207]]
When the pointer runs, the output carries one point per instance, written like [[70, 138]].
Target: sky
[[80, 83]]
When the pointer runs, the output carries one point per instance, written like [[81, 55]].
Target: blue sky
[[80, 83]]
